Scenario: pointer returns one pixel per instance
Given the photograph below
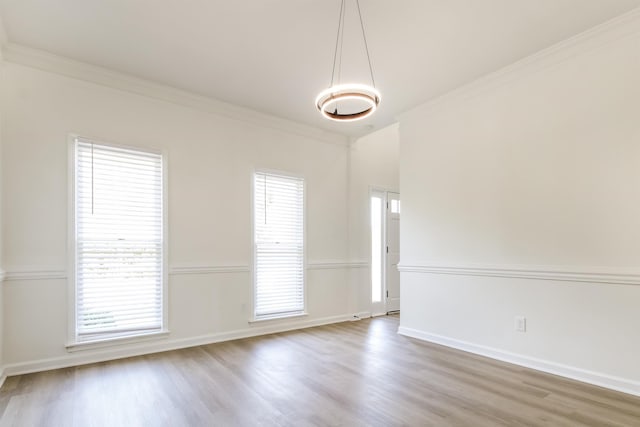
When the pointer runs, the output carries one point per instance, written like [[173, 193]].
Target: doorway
[[392, 275], [385, 252]]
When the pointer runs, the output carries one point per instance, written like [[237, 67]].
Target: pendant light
[[329, 100]]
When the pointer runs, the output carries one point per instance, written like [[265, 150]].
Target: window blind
[[279, 245], [119, 241]]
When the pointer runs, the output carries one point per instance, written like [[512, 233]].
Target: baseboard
[[594, 378], [361, 315], [3, 376], [131, 350]]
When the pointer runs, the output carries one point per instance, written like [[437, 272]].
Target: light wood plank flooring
[[349, 374]]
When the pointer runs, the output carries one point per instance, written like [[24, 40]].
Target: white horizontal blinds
[[279, 245], [118, 241]]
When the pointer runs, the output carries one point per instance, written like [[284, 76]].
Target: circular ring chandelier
[[330, 99]]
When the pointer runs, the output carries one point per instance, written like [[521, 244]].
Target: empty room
[[320, 213]]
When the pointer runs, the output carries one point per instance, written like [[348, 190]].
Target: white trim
[[74, 138], [208, 269], [362, 315], [156, 346], [335, 265], [164, 152], [3, 376], [590, 377], [277, 317], [67, 67], [112, 342], [35, 274], [71, 236], [3, 35], [252, 242], [53, 274], [378, 307], [359, 264], [617, 28], [388, 217], [565, 274]]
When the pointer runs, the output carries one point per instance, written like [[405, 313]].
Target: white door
[[393, 253]]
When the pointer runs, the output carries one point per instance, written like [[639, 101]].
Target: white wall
[[2, 273], [374, 162], [531, 175], [210, 158]]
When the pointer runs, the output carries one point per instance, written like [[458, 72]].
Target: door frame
[[389, 216], [378, 308]]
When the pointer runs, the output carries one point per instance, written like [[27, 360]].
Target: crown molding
[[46, 61], [563, 274], [620, 27]]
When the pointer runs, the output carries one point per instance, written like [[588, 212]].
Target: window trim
[[73, 344], [253, 319]]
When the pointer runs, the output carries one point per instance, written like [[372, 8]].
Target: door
[[393, 253]]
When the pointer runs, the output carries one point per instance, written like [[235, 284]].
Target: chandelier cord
[[338, 38], [366, 46], [329, 99], [344, 13]]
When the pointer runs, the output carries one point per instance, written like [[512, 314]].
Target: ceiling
[[274, 56]]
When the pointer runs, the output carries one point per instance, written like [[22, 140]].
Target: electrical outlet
[[521, 324]]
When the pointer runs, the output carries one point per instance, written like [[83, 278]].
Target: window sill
[[115, 341], [269, 319]]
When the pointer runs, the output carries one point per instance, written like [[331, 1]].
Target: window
[[279, 246], [395, 206], [377, 236], [118, 241]]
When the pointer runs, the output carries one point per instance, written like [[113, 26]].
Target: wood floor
[[349, 374]]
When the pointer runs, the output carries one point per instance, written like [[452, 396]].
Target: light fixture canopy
[[329, 100]]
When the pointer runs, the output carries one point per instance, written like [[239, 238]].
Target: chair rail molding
[[207, 269], [33, 273], [620, 276], [335, 265]]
